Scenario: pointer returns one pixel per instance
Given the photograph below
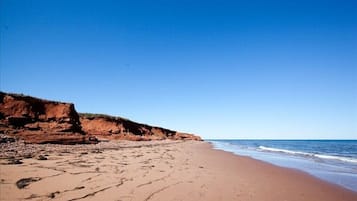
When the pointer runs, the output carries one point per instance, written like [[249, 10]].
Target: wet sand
[[155, 170]]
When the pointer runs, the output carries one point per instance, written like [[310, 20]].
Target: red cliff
[[42, 121], [104, 126], [39, 121]]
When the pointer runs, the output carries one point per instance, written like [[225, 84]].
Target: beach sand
[[155, 170]]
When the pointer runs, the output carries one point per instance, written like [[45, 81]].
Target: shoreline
[[156, 170], [278, 166], [334, 169]]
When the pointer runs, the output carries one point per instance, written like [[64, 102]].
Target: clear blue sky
[[220, 69]]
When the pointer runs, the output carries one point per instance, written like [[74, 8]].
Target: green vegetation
[[93, 115]]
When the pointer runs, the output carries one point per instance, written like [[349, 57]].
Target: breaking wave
[[306, 154]]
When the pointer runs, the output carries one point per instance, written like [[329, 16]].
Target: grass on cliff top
[[28, 98], [93, 115]]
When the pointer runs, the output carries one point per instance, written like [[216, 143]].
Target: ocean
[[334, 161]]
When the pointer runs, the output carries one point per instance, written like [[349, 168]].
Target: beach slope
[[153, 170]]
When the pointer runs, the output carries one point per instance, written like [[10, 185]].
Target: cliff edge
[[40, 121], [37, 120], [109, 127]]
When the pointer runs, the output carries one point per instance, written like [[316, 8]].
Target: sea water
[[334, 161]]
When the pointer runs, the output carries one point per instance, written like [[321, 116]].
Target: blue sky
[[220, 69]]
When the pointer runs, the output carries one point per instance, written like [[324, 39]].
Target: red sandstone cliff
[[41, 121], [104, 126]]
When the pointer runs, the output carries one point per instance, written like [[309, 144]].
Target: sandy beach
[[153, 170]]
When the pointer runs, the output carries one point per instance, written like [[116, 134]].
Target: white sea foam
[[284, 151], [321, 156], [345, 159]]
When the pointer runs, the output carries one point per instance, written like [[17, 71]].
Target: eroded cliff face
[[104, 126], [41, 121]]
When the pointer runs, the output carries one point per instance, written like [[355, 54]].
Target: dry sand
[[164, 170]]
